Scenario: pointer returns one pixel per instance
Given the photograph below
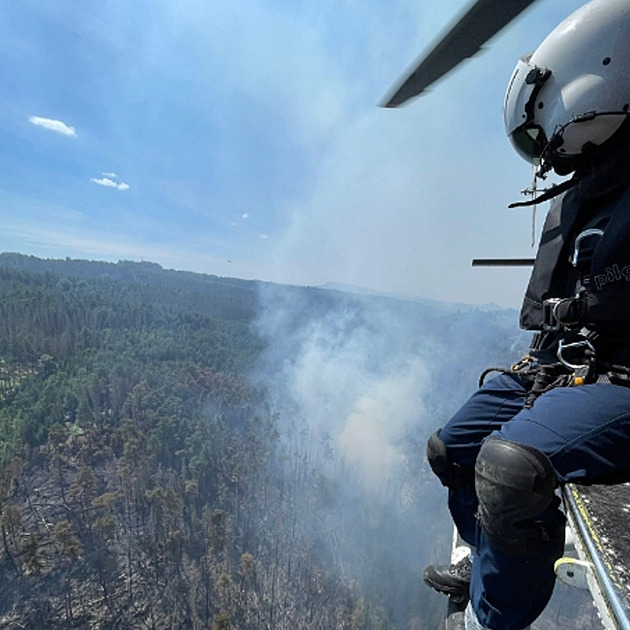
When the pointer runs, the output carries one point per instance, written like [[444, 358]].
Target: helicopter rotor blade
[[482, 21]]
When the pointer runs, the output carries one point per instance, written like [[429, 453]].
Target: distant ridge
[[410, 297], [151, 272]]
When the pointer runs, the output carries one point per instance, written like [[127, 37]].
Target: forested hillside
[[181, 451], [135, 489]]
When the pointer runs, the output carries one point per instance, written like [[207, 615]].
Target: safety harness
[[575, 364], [564, 354]]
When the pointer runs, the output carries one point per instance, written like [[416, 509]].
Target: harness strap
[[611, 374], [539, 379], [490, 370]]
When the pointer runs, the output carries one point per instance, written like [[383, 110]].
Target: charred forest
[[174, 453]]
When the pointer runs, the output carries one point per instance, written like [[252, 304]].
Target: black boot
[[453, 580]]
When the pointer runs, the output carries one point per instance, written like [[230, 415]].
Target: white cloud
[[245, 215], [53, 125], [109, 183], [264, 236], [112, 175]]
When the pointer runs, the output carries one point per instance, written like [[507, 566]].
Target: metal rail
[[612, 606]]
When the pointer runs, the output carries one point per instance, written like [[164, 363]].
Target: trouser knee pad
[[514, 485], [451, 474]]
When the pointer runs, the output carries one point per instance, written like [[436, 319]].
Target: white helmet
[[573, 92]]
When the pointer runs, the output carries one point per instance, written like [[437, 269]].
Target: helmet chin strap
[[592, 153], [550, 157]]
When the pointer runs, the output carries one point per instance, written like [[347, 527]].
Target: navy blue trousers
[[585, 433]]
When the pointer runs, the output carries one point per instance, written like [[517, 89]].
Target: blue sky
[[243, 138]]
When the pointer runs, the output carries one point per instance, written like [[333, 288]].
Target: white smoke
[[358, 384], [353, 379], [374, 431]]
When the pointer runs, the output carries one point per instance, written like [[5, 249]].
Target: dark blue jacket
[[600, 200]]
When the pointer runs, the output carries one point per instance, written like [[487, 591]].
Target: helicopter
[[482, 21], [596, 515]]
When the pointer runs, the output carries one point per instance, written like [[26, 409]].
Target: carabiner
[[562, 347]]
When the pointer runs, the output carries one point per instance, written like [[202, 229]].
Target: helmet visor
[[529, 140]]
